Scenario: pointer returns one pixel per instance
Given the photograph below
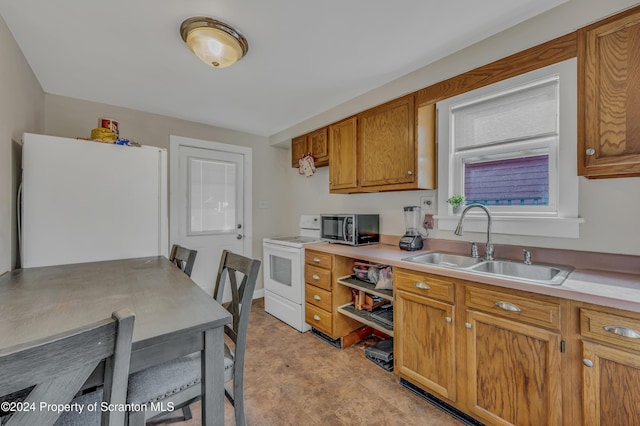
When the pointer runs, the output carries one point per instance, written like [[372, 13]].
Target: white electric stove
[[283, 268]]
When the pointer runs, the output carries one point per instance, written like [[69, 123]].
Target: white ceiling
[[304, 57]]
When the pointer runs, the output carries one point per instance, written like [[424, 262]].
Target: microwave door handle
[[344, 229]]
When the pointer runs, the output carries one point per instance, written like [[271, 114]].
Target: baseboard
[[449, 409], [333, 342], [257, 294]]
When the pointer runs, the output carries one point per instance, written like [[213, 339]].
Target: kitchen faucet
[[488, 251]]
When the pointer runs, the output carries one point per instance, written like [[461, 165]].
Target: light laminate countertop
[[585, 284]]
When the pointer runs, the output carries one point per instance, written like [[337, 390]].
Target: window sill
[[563, 227]]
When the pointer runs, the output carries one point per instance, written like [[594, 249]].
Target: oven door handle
[[277, 249]]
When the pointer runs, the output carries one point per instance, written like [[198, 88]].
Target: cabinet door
[[424, 343], [342, 156], [609, 55], [298, 149], [386, 144], [611, 386], [318, 145], [514, 372]]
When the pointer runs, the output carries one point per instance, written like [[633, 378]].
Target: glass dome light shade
[[214, 42]]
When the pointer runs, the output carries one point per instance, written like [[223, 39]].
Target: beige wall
[[609, 206], [21, 110], [69, 117]]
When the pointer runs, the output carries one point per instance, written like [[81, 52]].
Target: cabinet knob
[[409, 172], [448, 319], [316, 297], [587, 362], [590, 151], [316, 259], [421, 285], [317, 318], [468, 325], [315, 277]]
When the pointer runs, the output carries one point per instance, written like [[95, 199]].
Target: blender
[[412, 239]]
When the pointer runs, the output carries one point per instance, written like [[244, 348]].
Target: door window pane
[[212, 196]]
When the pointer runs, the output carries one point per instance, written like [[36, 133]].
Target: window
[[212, 206], [511, 146]]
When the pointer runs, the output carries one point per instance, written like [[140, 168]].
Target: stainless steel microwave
[[352, 229]]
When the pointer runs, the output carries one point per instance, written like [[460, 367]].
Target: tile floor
[[294, 378]]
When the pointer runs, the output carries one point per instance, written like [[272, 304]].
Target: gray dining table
[[174, 316]]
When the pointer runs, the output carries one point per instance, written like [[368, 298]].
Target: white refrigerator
[[84, 201]]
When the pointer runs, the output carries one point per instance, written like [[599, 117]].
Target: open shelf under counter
[[365, 318], [352, 282]]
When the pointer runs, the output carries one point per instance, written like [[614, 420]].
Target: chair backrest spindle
[[183, 258]]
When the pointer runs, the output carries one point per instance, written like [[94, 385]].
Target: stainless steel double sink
[[501, 268]]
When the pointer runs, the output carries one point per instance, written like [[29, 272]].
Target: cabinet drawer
[[424, 284], [610, 328], [318, 277], [318, 318], [322, 260], [526, 309], [318, 297]]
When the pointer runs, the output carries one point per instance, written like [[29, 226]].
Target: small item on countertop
[[110, 124], [122, 142], [102, 134]]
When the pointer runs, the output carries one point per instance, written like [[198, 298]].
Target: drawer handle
[[508, 306], [316, 259], [317, 318], [316, 297], [622, 331], [315, 277], [421, 285]]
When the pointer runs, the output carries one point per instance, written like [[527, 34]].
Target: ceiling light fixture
[[215, 43]]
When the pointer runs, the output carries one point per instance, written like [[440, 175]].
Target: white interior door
[[208, 203]]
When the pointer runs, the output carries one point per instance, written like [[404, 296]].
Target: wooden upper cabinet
[[342, 156], [388, 148], [609, 101], [318, 145], [298, 149], [315, 143], [386, 144]]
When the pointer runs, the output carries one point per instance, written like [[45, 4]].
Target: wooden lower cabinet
[[493, 353], [611, 388], [514, 371], [424, 331], [610, 367], [425, 344], [323, 295]]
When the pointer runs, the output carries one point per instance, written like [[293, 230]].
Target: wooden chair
[[56, 367], [183, 258], [178, 381]]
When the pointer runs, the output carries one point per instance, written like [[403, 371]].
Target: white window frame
[[560, 217]]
